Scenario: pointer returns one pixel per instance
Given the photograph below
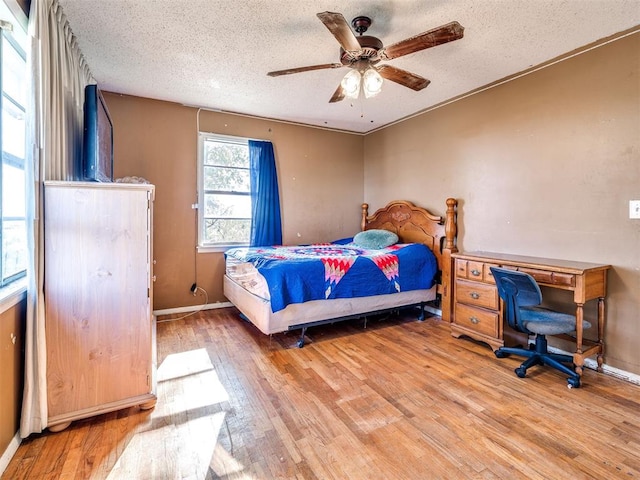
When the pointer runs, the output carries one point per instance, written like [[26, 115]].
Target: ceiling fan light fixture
[[351, 83], [371, 82]]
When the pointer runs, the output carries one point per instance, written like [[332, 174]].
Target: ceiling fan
[[363, 53]]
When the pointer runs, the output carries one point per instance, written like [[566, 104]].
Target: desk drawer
[[477, 319], [470, 270], [551, 278], [475, 271], [476, 293]]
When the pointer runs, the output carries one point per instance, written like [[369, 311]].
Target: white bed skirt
[[258, 310]]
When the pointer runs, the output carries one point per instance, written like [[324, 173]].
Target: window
[[224, 191], [13, 78]]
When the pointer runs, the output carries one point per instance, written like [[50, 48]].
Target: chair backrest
[[517, 289]]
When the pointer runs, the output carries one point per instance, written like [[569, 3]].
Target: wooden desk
[[477, 309]]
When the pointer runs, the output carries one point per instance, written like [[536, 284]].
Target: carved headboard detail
[[414, 224]]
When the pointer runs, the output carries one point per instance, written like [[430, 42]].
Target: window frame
[[204, 246], [9, 283]]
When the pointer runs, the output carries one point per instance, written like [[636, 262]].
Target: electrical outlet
[[634, 208]]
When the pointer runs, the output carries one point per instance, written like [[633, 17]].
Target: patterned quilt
[[297, 274]]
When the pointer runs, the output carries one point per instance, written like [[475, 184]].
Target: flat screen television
[[97, 151]]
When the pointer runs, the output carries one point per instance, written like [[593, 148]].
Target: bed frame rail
[[303, 326]]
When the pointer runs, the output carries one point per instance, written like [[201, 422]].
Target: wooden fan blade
[[304, 69], [446, 33], [407, 79], [338, 95], [340, 29]]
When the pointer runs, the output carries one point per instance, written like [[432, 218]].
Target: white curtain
[[58, 75]]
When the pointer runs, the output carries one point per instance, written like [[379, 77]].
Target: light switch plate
[[634, 208]]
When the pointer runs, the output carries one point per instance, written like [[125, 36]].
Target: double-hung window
[[224, 191], [13, 235]]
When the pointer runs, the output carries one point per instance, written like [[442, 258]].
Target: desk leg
[[578, 359], [601, 317]]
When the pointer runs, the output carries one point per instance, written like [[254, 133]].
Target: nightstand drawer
[[475, 293], [477, 319]]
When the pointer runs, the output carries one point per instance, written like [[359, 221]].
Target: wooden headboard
[[417, 225]]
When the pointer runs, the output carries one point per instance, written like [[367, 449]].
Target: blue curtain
[[266, 225]]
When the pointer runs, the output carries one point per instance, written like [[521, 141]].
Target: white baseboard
[[616, 372], [592, 364], [192, 308], [8, 454]]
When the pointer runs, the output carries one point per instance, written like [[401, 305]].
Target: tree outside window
[[225, 191]]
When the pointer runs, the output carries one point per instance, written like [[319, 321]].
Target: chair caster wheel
[[573, 382], [300, 343], [521, 372], [500, 354]]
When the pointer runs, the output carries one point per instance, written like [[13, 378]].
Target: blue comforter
[[297, 274]]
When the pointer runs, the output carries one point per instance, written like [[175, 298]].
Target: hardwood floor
[[400, 399]]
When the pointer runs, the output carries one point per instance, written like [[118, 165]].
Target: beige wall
[[320, 179], [12, 323], [544, 165]]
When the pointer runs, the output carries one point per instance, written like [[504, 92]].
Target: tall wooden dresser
[[100, 331]]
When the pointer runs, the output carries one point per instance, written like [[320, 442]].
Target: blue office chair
[[521, 297]]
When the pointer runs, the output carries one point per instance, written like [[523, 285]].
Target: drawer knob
[[474, 295], [474, 320], [475, 273]]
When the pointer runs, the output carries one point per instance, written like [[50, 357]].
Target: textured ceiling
[[216, 53]]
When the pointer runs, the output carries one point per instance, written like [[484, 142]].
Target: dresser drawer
[[476, 293], [477, 319]]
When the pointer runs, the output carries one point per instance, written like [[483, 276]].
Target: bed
[[261, 304]]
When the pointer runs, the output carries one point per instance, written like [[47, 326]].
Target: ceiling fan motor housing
[[370, 46]]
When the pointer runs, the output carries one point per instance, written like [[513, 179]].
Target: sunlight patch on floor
[[185, 435]]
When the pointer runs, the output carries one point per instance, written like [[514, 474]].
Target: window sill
[[12, 294], [217, 248]]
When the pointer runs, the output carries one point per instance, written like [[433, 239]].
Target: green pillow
[[375, 239]]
